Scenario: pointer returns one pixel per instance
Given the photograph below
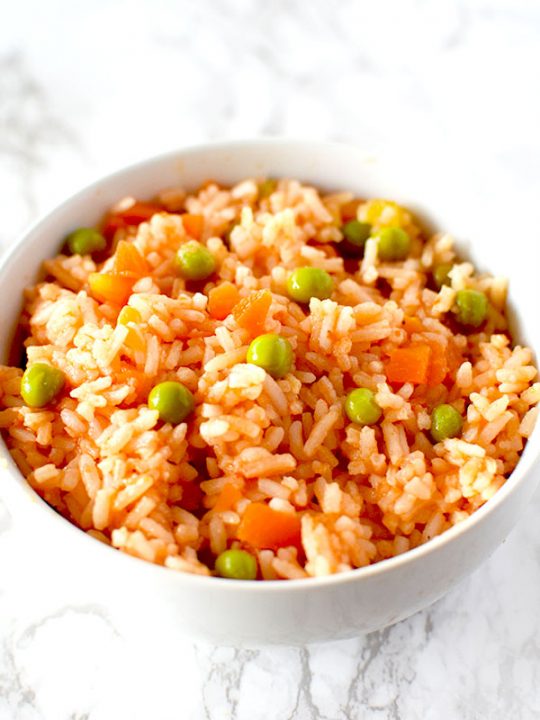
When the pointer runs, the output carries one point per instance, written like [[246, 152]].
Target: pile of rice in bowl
[[273, 467]]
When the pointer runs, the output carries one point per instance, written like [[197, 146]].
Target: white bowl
[[301, 611]]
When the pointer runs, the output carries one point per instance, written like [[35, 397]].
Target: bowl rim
[[21, 487]]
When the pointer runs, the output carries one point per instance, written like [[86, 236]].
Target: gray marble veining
[[85, 88], [27, 129]]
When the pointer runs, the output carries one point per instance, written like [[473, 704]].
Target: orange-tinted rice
[[176, 495]]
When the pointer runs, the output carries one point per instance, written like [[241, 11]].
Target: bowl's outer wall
[[295, 612], [137, 594]]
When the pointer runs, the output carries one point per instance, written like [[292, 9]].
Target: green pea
[[446, 422], [272, 353], [267, 187], [194, 261], [173, 401], [355, 234], [237, 565], [440, 274], [393, 244], [40, 384], [307, 282], [471, 307], [85, 241], [362, 408]]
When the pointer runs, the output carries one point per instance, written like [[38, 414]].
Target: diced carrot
[[222, 299], [135, 214], [348, 211], [438, 365], [111, 225], [143, 383], [228, 497], [107, 287], [263, 527], [250, 313], [133, 338], [128, 260], [193, 225], [139, 212], [454, 357], [128, 314], [409, 364]]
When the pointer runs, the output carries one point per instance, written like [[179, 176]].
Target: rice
[[272, 465], [320, 430]]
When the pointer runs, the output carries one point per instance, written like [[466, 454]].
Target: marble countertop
[[85, 88]]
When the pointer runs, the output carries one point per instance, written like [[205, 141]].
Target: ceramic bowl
[[301, 611]]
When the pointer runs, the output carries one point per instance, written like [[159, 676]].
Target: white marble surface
[[87, 87]]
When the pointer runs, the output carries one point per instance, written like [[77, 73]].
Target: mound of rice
[[176, 495]]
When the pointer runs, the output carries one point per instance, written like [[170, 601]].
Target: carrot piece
[[128, 314], [139, 212], [409, 364], [128, 260], [454, 357], [228, 497], [222, 299], [438, 365], [129, 375], [135, 214], [349, 210], [107, 287], [111, 225], [438, 362], [263, 527], [193, 225], [250, 313], [133, 339]]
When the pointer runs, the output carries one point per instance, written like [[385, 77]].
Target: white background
[[86, 88]]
